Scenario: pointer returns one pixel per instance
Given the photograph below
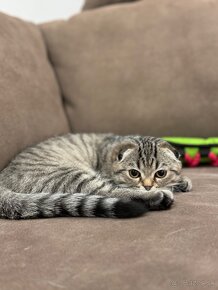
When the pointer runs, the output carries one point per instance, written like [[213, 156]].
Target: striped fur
[[87, 175]]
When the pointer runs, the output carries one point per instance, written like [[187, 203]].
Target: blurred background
[[41, 10]]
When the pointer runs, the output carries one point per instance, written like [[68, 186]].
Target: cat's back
[[56, 153], [61, 149]]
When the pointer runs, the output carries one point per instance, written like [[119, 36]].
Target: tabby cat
[[89, 175]]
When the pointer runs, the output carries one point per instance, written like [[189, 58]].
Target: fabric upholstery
[[30, 103], [174, 249], [147, 67]]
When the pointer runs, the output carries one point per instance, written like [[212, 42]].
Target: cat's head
[[144, 162]]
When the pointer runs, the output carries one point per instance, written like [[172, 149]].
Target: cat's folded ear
[[121, 150], [165, 144]]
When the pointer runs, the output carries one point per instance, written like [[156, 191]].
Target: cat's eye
[[161, 173], [134, 173]]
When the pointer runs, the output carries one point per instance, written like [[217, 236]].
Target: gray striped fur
[[88, 175]]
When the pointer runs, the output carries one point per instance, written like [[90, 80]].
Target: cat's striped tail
[[25, 206]]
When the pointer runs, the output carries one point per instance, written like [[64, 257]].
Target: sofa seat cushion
[[30, 103], [173, 249], [148, 67]]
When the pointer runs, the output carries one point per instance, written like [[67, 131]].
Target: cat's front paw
[[187, 184], [161, 200], [184, 185]]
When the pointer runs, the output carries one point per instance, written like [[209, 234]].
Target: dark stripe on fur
[[99, 210], [81, 206]]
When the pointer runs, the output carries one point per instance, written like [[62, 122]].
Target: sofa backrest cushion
[[30, 103], [149, 67]]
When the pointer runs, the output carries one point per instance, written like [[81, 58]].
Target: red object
[[193, 161], [214, 159]]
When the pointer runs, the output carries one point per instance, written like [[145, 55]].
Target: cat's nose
[[148, 183], [147, 187]]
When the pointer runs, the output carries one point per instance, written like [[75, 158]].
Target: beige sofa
[[148, 67]]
